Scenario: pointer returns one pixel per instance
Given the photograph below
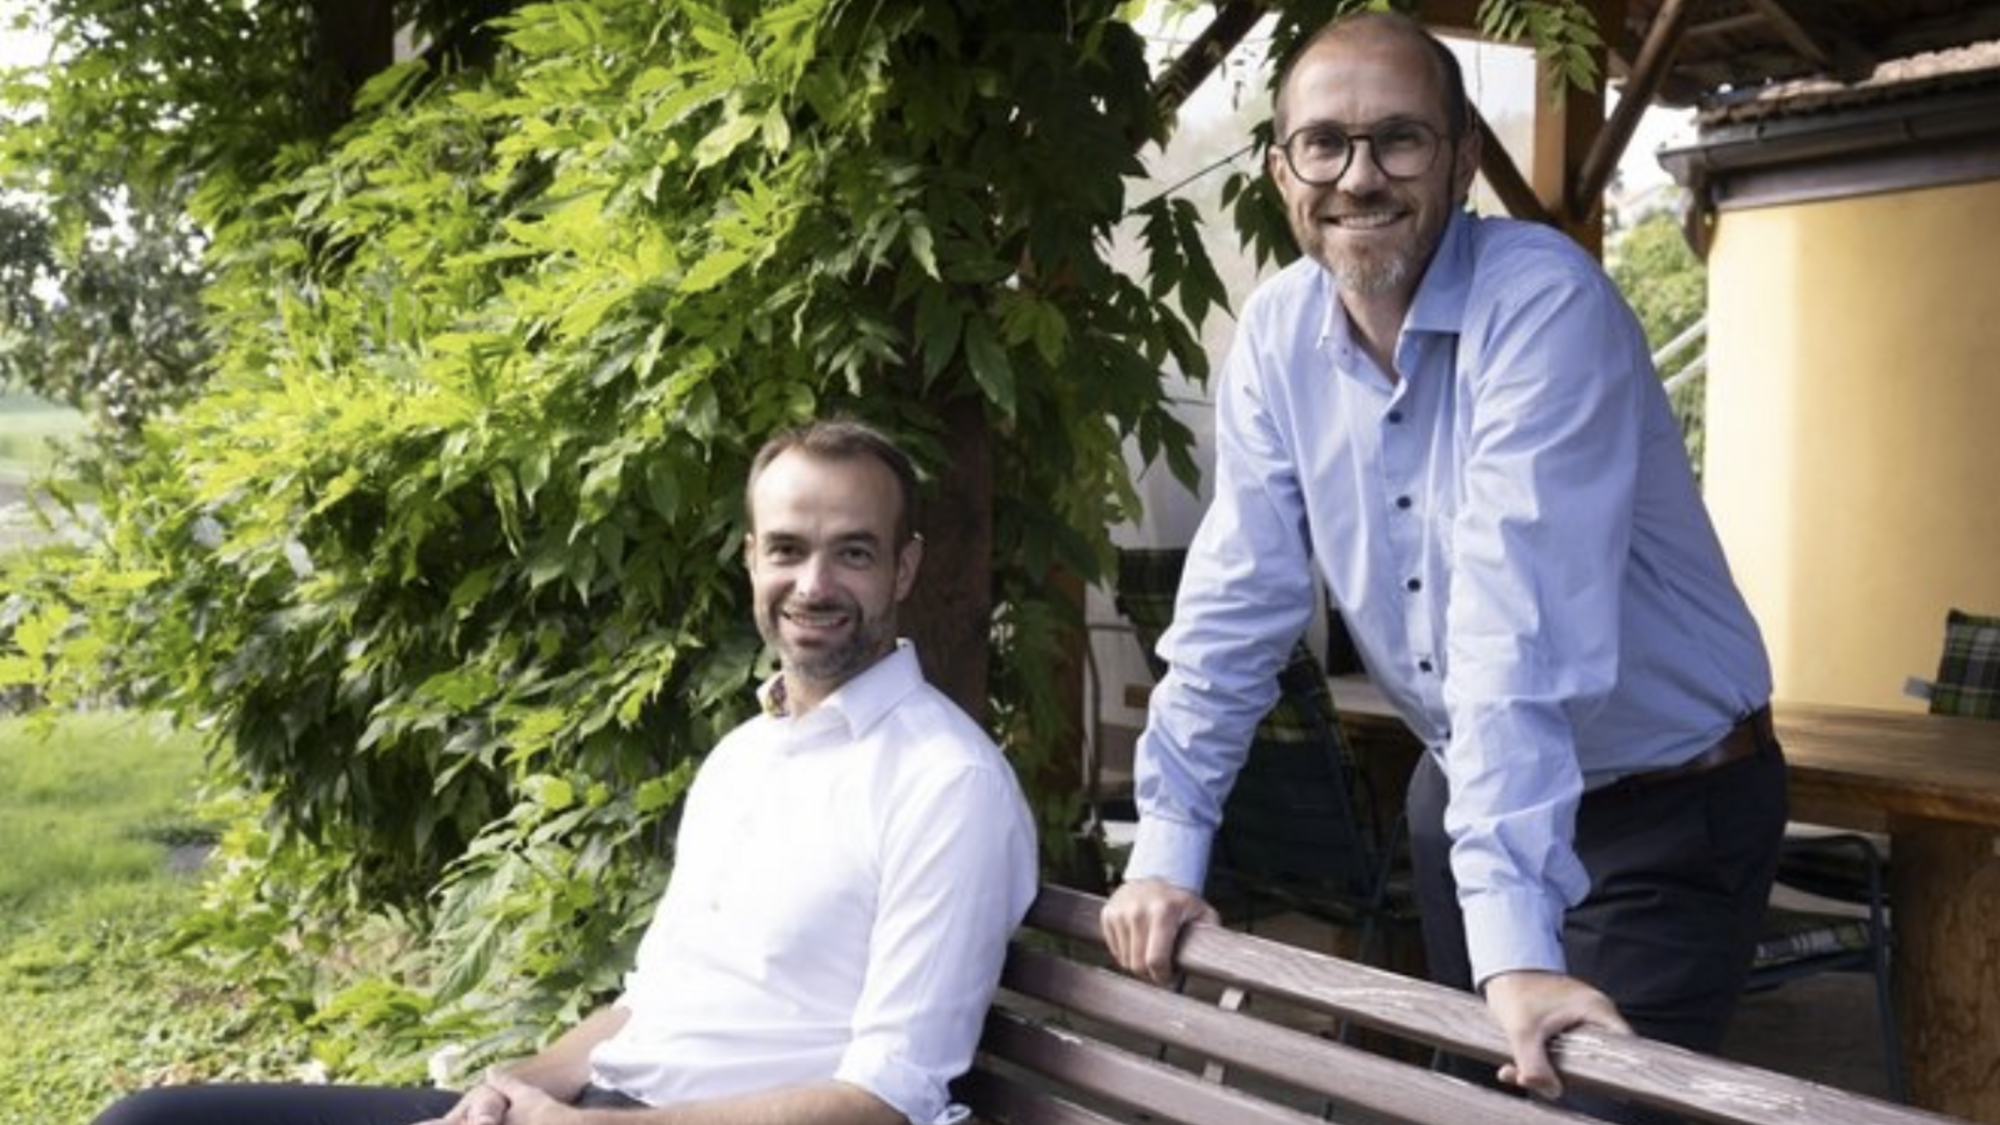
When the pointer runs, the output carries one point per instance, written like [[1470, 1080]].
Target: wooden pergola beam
[[1497, 167], [1233, 20], [1460, 16], [1649, 71], [1567, 125], [1723, 25]]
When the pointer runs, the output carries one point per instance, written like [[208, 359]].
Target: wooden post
[[1566, 126], [1947, 969], [1500, 173]]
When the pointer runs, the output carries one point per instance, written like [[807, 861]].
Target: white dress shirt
[[844, 887], [1513, 537]]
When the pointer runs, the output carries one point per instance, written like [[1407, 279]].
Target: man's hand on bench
[[1534, 1007], [1143, 921]]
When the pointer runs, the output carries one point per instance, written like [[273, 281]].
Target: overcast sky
[[16, 49]]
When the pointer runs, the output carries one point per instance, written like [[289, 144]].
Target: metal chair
[[1800, 942], [1301, 828]]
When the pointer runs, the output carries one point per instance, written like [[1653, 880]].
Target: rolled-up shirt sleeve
[[959, 870]]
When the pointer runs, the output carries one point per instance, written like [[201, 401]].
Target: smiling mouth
[[1365, 220], [816, 620]]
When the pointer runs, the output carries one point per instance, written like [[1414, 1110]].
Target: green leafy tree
[[1661, 277], [1667, 286], [109, 326], [151, 125]]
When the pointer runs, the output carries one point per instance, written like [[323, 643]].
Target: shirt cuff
[[921, 1097], [1169, 850], [1509, 932]]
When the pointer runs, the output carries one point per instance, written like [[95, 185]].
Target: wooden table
[[1933, 784]]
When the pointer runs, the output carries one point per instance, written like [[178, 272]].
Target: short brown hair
[[843, 439]]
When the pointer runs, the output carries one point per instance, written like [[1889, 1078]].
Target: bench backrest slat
[[1697, 1086], [1348, 1076], [1656, 1073], [1164, 1093], [1005, 1101]]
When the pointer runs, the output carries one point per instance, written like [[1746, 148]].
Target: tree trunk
[[356, 40], [951, 610]]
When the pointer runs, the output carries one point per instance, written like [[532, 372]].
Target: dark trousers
[[1680, 875], [249, 1104], [246, 1104]]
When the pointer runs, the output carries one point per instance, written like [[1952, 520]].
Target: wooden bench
[[1253, 1039]]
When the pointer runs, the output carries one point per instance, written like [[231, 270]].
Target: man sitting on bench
[[850, 865]]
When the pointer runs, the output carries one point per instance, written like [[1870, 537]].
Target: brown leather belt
[[1751, 736]]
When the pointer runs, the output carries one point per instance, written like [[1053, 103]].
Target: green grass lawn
[[27, 429], [88, 811], [91, 1008], [30, 433]]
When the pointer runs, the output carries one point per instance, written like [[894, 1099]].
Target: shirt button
[[1423, 665], [1395, 417], [1403, 503], [1413, 585]]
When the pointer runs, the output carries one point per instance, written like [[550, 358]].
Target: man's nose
[[810, 577], [1362, 173]]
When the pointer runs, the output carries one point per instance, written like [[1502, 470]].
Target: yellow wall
[[1854, 429]]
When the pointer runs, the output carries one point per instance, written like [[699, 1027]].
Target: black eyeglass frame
[[1438, 142]]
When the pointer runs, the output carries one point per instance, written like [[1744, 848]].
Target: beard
[[1375, 267], [1368, 272], [1367, 275], [867, 638]]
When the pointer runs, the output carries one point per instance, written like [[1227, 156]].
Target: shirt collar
[[1441, 295], [1439, 305], [861, 701]]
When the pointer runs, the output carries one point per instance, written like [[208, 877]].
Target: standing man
[[849, 868], [1457, 420]]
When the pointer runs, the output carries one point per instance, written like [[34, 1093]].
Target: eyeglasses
[[1402, 150]]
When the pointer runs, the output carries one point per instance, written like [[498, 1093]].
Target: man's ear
[[750, 549], [908, 559]]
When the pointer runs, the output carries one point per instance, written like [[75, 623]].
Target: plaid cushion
[[1148, 579], [1968, 678], [1790, 935]]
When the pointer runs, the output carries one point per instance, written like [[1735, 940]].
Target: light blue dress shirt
[[1513, 537]]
